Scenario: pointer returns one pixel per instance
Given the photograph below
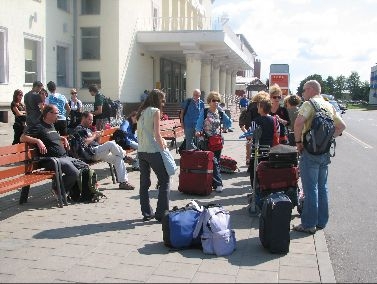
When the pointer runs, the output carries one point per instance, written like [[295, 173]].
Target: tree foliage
[[340, 87]]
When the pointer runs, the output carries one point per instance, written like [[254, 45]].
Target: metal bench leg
[[24, 194], [113, 173]]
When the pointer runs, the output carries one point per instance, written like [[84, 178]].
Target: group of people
[[281, 112], [69, 110], [41, 120], [281, 122], [289, 119]]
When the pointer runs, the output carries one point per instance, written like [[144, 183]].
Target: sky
[[325, 37]]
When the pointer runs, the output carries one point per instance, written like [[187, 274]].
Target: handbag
[[169, 162], [215, 142]]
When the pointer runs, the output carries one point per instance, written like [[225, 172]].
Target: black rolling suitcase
[[274, 223], [283, 156]]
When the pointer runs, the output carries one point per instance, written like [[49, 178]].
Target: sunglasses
[[276, 97], [215, 101]]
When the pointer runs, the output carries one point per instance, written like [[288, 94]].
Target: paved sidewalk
[[109, 242]]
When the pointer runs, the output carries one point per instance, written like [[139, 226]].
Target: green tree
[[353, 85], [363, 92], [329, 86], [317, 77], [340, 86]]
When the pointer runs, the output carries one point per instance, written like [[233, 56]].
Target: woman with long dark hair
[[151, 144], [19, 111]]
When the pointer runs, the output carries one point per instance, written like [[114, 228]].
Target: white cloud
[[329, 38]]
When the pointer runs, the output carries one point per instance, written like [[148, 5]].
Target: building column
[[215, 77], [222, 80], [228, 84], [174, 15], [193, 73], [233, 82], [205, 80], [166, 15]]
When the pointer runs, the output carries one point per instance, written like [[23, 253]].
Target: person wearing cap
[[60, 101], [76, 109], [34, 104]]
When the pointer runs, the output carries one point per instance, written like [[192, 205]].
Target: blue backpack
[[178, 226]]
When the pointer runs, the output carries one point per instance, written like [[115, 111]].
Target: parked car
[[337, 107], [342, 106]]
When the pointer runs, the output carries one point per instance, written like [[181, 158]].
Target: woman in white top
[[150, 145]]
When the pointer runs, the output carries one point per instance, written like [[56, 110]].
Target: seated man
[[51, 144], [109, 152]]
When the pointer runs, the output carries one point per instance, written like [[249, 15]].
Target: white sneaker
[[219, 188]]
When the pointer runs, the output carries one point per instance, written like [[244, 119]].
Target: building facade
[[373, 86], [174, 45]]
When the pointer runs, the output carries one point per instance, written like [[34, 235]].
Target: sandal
[[300, 228]]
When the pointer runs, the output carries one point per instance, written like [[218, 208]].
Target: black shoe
[[148, 218], [159, 219]]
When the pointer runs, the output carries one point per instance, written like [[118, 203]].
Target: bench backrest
[[107, 134], [17, 159]]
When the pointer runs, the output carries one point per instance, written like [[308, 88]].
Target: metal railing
[[167, 24]]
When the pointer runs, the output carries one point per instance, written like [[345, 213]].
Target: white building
[[125, 48]]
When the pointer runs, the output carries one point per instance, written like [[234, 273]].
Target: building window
[[33, 60], [61, 66], [63, 5], [90, 7], [89, 78], [90, 43], [4, 67]]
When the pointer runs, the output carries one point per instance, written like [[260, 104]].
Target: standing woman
[[279, 112], [150, 145], [209, 124], [76, 109], [19, 111]]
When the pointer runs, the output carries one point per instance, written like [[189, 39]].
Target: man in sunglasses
[[189, 116], [51, 144]]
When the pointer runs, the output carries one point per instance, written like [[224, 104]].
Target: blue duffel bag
[[179, 224]]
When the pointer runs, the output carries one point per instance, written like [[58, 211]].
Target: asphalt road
[[351, 233]]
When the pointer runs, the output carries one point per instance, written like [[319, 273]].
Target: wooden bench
[[170, 130], [19, 168], [107, 135]]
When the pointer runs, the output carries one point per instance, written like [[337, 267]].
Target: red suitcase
[[196, 172], [270, 178]]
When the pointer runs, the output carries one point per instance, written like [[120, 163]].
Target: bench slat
[[16, 170], [24, 180]]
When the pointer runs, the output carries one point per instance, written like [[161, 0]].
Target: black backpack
[[109, 108], [86, 187], [320, 136], [79, 149], [120, 136]]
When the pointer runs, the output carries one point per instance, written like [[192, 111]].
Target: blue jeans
[[148, 161], [217, 180], [314, 173], [189, 136]]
